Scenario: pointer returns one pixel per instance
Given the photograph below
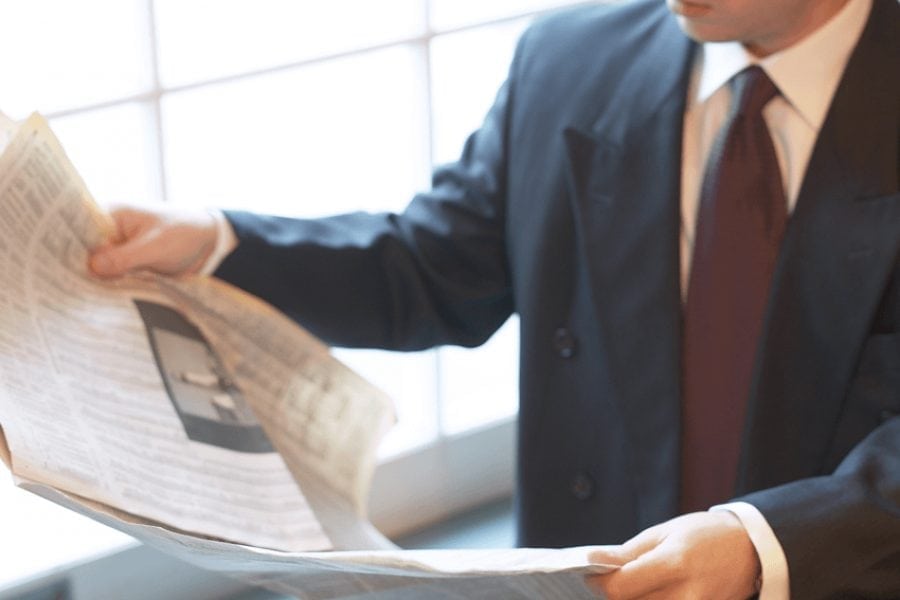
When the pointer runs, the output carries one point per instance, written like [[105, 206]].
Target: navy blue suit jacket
[[564, 208]]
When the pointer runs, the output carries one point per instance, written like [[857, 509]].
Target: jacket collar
[[625, 197]]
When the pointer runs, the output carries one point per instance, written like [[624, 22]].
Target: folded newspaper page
[[389, 574], [199, 419]]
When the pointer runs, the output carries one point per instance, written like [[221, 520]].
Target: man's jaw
[[688, 9]]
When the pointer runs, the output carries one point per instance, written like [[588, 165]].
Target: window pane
[[202, 39], [447, 14], [336, 136], [467, 70], [409, 379], [481, 385], [61, 54], [115, 152]]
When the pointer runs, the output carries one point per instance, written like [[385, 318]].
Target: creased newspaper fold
[[197, 418]]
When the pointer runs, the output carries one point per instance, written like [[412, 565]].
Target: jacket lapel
[[839, 250], [625, 180]]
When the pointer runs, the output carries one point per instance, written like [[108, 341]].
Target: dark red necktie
[[740, 223]]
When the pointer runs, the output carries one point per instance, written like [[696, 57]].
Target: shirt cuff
[[775, 578], [226, 242]]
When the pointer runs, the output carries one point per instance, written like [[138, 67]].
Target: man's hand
[[695, 556], [164, 240]]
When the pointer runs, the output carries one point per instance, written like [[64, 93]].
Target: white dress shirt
[[226, 242], [807, 74]]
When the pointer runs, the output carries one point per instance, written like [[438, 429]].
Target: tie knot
[[752, 90]]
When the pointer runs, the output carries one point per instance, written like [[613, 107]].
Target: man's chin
[[688, 9], [701, 33], [696, 20]]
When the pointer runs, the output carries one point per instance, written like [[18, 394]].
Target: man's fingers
[[131, 221], [165, 240], [103, 262], [640, 577], [116, 260], [609, 555], [627, 552], [119, 254]]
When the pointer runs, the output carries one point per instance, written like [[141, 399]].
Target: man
[[583, 204]]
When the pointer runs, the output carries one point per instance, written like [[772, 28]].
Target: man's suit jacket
[[564, 208]]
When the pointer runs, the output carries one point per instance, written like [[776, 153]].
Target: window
[[299, 108]]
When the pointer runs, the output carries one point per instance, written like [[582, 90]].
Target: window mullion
[[156, 102]]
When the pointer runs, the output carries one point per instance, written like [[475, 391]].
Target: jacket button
[[564, 343], [582, 487]]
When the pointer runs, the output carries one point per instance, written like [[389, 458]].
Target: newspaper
[[199, 419]]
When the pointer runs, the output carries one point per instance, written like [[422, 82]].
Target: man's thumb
[[111, 261]]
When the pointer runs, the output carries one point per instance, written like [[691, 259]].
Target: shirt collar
[[807, 73]]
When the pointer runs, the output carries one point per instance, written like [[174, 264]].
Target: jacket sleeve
[[435, 274], [841, 532]]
